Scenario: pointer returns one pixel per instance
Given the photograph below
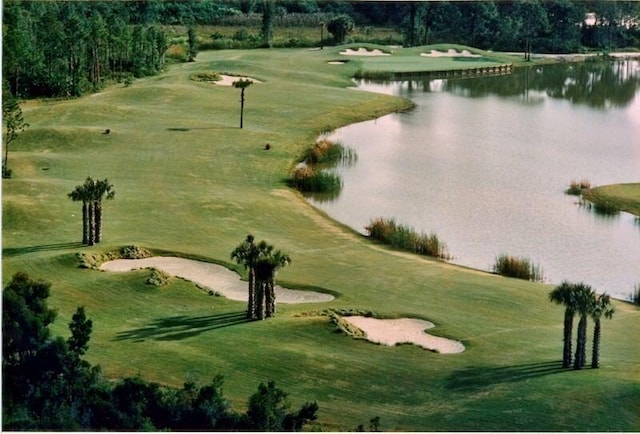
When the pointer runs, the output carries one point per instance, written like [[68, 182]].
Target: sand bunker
[[450, 53], [211, 276], [404, 330], [364, 52], [227, 80]]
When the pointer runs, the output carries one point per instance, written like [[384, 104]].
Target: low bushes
[[404, 237], [312, 176], [520, 268]]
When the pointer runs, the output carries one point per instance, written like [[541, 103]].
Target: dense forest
[[68, 48]]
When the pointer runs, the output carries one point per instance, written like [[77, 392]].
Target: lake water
[[484, 163]]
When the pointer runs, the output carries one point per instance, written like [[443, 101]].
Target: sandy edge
[[363, 52], [211, 276], [228, 80], [450, 53], [404, 330]]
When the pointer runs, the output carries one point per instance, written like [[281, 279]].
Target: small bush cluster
[[520, 268], [158, 278], [576, 188], [208, 76], [312, 176], [346, 327], [404, 237], [93, 261], [133, 252]]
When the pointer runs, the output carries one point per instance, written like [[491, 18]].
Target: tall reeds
[[404, 237], [312, 174], [520, 268], [576, 188]]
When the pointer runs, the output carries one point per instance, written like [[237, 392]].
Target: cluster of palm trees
[[262, 261], [580, 299], [91, 194]]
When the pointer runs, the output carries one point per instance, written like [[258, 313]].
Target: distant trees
[[69, 48], [14, 124], [91, 194], [340, 27], [48, 386], [193, 44], [580, 299], [262, 261]]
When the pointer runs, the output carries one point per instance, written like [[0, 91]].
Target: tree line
[[47, 384], [70, 48]]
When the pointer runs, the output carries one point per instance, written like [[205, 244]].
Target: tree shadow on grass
[[477, 378], [215, 127], [180, 327], [16, 251]]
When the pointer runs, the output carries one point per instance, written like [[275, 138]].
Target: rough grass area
[[191, 183], [615, 198], [388, 231], [520, 268]]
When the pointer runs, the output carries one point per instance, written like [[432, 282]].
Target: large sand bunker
[[450, 53], [404, 330], [211, 276], [364, 52]]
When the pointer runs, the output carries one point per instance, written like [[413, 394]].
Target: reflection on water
[[484, 163]]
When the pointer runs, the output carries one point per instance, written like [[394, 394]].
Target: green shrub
[[520, 268], [158, 278], [404, 237], [208, 76]]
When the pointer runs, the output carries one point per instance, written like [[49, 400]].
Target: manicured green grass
[[188, 180], [623, 197]]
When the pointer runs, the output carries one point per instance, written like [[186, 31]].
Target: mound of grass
[[404, 237], [611, 199], [520, 268]]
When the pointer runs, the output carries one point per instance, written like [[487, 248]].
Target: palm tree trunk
[[270, 299], [98, 218], [595, 355], [260, 293], [85, 223], [581, 345], [92, 224], [251, 304], [568, 337]]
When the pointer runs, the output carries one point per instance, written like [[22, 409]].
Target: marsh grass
[[634, 297], [388, 231], [312, 174], [308, 179], [576, 188], [329, 154], [519, 268]]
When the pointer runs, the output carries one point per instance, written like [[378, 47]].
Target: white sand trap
[[364, 52], [227, 80], [450, 53], [404, 330], [336, 62], [211, 276]]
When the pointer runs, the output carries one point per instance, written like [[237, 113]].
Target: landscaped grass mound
[[189, 180]]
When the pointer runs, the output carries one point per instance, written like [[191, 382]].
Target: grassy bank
[[189, 181], [620, 197]]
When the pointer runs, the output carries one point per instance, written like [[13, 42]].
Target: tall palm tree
[[564, 294], [242, 84], [585, 300], [602, 307], [102, 190], [84, 193], [247, 254]]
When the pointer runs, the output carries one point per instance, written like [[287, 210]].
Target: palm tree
[[246, 254], [83, 193], [565, 294], [585, 300], [102, 190], [242, 84], [602, 307], [269, 261]]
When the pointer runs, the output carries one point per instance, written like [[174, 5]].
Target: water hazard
[[484, 163]]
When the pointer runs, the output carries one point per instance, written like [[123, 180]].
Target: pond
[[484, 162]]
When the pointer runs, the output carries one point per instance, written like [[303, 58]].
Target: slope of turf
[[188, 180], [625, 197]]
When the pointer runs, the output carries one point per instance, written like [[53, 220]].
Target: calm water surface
[[484, 163]]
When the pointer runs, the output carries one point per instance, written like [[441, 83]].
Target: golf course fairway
[[190, 183]]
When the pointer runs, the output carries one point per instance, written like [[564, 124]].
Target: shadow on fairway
[[16, 251], [175, 328], [476, 378], [219, 127]]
